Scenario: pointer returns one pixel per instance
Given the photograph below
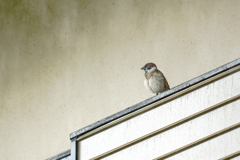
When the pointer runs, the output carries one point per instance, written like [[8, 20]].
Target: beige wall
[[67, 64]]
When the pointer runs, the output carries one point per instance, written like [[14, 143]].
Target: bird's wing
[[165, 82], [162, 78]]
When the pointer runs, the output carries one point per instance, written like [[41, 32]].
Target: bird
[[154, 80]]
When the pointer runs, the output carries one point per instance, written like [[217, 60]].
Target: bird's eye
[[148, 67]]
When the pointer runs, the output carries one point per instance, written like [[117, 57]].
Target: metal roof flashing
[[61, 155], [145, 103]]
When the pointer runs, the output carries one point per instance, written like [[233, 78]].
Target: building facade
[[67, 64]]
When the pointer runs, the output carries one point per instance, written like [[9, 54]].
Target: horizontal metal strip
[[61, 155], [149, 101], [195, 143], [168, 127], [160, 102], [233, 155]]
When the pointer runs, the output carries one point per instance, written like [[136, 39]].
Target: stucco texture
[[66, 64]]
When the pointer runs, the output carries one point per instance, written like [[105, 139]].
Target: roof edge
[[153, 99], [61, 155]]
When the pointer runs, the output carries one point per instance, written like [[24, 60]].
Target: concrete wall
[[67, 64]]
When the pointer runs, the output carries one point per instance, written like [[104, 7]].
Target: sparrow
[[154, 79]]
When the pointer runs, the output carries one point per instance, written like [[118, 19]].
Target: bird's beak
[[143, 68]]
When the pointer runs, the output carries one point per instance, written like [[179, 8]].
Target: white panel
[[213, 149], [161, 116], [236, 158], [183, 134]]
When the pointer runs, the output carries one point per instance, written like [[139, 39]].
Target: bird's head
[[149, 67]]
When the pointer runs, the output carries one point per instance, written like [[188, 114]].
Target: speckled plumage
[[154, 79]]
